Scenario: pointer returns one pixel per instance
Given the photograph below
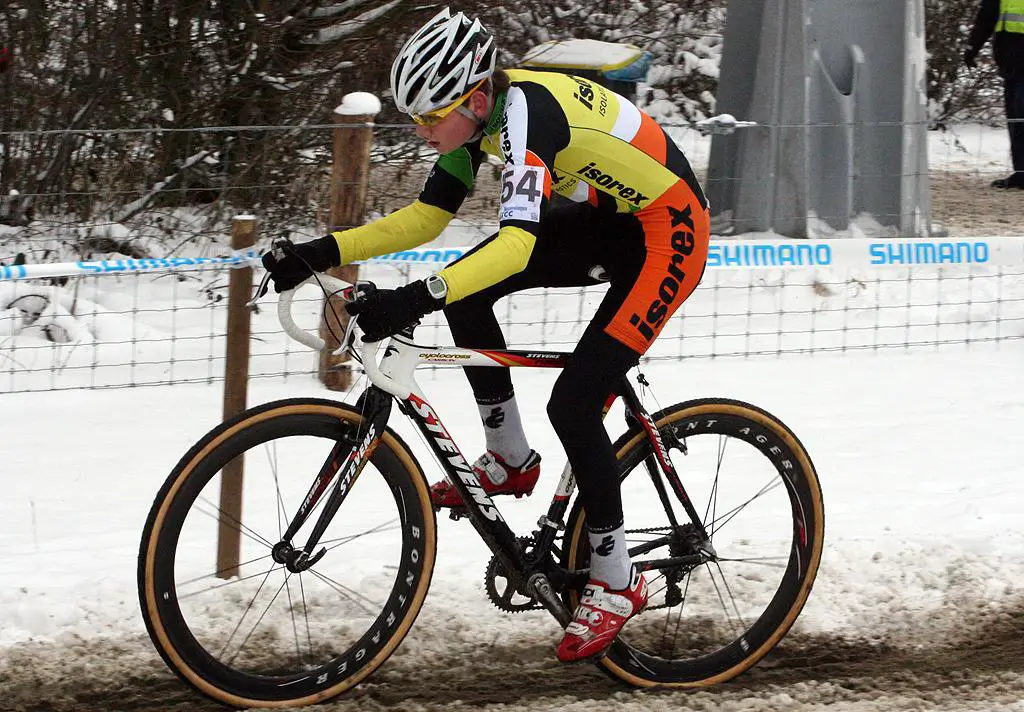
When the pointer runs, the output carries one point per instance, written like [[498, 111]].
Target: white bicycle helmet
[[441, 62]]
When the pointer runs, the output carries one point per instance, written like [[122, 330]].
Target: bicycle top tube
[[394, 373]]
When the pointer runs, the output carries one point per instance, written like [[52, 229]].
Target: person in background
[[1005, 19], [636, 217]]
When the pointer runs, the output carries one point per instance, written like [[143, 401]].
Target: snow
[[969, 148], [358, 103], [921, 476], [346, 28], [577, 53], [722, 123]]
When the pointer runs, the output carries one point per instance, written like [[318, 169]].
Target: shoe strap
[[595, 597], [491, 468]]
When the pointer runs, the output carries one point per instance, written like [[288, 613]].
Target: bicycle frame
[[394, 377]]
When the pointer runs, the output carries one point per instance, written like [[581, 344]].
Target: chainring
[[504, 589]]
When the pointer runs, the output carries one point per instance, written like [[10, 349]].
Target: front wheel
[[755, 489], [254, 634]]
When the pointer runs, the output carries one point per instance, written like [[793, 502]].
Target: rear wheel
[[261, 635], [755, 488]]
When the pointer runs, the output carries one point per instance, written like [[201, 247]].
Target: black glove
[[289, 264], [970, 55], [388, 311]]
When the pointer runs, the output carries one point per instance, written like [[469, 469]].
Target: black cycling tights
[[569, 247], [595, 369]]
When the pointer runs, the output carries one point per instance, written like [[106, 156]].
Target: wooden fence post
[[236, 376], [353, 138]]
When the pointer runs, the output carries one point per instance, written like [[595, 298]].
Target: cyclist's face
[[455, 129]]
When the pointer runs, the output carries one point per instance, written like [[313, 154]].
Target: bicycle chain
[[503, 600], [651, 530]]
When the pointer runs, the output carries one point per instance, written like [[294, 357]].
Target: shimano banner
[[722, 254]]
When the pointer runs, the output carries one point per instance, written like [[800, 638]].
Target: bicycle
[[341, 610]]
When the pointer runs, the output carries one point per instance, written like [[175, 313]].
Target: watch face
[[436, 287]]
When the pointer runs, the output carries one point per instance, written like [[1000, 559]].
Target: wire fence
[[131, 330], [135, 330]]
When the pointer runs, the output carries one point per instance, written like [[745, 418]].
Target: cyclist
[[636, 217]]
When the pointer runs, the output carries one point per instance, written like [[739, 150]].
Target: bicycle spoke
[[282, 511], [258, 620], [226, 583], [217, 514], [305, 615], [348, 593], [651, 582], [679, 617], [295, 630], [248, 608], [385, 527], [782, 561], [731, 514], [721, 598], [713, 496]]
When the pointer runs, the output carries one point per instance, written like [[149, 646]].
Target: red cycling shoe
[[600, 616], [496, 477]]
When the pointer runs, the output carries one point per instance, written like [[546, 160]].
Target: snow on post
[[350, 173], [358, 103]]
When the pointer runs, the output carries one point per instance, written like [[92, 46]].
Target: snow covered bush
[[684, 37]]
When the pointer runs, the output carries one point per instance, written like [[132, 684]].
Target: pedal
[[457, 513]]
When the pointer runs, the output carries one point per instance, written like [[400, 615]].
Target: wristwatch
[[436, 287]]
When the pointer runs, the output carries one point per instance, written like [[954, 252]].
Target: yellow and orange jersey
[[553, 132]]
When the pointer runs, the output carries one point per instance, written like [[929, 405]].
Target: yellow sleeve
[[505, 255], [406, 227]]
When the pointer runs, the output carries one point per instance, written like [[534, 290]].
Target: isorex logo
[[668, 290], [506, 142], [611, 184], [445, 444], [585, 95]]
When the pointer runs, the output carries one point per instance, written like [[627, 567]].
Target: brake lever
[[261, 291]]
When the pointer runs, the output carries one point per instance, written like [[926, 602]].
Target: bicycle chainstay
[[514, 583]]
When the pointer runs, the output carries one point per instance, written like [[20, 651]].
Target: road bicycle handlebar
[[331, 285], [367, 351]]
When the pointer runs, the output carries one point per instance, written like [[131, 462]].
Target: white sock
[[503, 430], [609, 557]]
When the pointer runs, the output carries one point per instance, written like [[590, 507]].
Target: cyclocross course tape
[[856, 253]]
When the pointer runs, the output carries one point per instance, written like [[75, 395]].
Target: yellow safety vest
[[1011, 16]]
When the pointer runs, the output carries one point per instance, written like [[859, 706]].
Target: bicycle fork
[[356, 450]]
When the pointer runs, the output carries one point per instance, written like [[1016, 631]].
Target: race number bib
[[522, 189]]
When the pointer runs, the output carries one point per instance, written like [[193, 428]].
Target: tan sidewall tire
[[769, 422], [180, 476]]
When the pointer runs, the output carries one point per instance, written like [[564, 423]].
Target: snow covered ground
[[918, 457]]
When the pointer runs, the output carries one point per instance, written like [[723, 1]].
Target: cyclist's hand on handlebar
[[289, 264], [388, 311]]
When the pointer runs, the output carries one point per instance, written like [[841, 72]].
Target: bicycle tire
[[785, 454], [415, 537]]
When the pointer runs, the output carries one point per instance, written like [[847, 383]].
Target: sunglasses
[[433, 118]]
